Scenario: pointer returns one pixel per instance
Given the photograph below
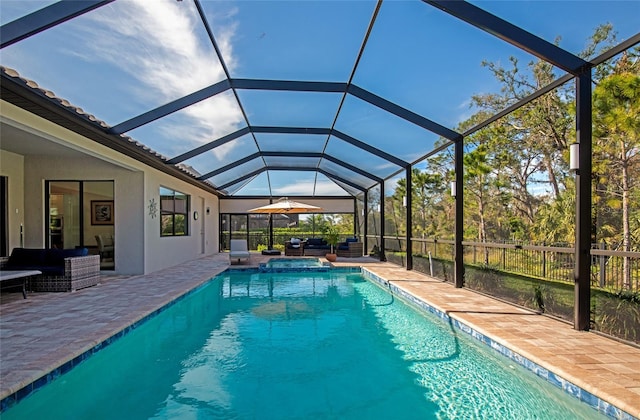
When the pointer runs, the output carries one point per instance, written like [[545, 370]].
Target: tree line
[[517, 182]]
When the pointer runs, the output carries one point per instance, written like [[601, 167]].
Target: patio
[[70, 324]]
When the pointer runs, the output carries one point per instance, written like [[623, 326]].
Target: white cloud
[[328, 188], [163, 46], [304, 188], [293, 189]]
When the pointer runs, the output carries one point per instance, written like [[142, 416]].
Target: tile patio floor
[[46, 330]]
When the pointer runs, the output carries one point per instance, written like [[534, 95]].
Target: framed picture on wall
[[101, 212]]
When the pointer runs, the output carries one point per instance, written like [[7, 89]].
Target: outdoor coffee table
[[19, 274]]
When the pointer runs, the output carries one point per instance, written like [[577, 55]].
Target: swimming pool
[[303, 345]]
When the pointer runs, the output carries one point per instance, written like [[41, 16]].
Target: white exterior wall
[[203, 235], [139, 248]]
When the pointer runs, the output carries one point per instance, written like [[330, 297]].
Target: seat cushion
[[57, 256], [27, 257], [51, 270], [295, 243], [316, 243]]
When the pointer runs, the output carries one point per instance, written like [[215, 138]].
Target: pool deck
[[47, 330]]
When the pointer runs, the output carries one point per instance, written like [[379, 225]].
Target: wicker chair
[[294, 248], [350, 249], [79, 272]]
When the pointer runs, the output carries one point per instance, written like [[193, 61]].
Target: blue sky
[[132, 56]]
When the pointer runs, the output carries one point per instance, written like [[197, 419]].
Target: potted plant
[[332, 237]]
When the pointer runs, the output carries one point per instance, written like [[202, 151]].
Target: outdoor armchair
[[351, 248]]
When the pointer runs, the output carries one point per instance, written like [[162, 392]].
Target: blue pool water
[[297, 346], [293, 263]]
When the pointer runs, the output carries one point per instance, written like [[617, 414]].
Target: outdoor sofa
[[63, 270], [319, 247], [316, 247]]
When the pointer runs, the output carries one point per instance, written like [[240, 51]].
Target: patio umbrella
[[284, 205]]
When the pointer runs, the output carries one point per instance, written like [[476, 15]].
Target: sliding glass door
[[81, 214], [65, 222]]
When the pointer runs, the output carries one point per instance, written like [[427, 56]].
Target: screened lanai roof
[[274, 98]]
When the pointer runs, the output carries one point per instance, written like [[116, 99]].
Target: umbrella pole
[[270, 232]]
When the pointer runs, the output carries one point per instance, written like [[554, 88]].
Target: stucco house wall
[[139, 247]]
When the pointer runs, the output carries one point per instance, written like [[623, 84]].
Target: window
[[174, 212]]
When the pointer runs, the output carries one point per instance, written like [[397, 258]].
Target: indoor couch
[[316, 247], [350, 248], [63, 270]]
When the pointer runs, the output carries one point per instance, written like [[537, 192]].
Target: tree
[[478, 183], [427, 199], [616, 111], [542, 128], [555, 222]]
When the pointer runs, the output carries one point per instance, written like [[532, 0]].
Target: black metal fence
[[537, 277], [610, 269]]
